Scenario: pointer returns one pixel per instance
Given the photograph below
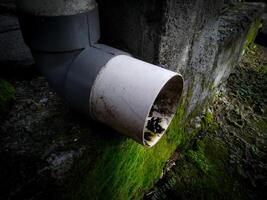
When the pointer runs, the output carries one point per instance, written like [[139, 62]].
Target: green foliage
[[7, 95]]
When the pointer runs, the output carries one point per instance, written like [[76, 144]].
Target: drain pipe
[[136, 98]]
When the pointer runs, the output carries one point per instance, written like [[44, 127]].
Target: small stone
[[197, 125], [44, 100]]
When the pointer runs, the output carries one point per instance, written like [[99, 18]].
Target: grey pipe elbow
[[134, 97]]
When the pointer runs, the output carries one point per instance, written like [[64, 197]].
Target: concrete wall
[[189, 36]]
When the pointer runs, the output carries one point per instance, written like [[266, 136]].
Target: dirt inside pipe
[[162, 111]]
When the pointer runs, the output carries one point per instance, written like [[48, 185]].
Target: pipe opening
[[162, 111], [134, 97]]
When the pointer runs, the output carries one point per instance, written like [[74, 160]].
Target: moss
[[209, 117], [199, 159], [198, 156], [252, 33], [208, 123], [122, 169], [202, 173], [188, 96], [7, 95], [202, 170], [119, 168]]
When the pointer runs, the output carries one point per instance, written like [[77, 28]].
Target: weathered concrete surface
[[13, 49], [55, 8], [264, 24], [50, 152], [192, 37], [7, 7]]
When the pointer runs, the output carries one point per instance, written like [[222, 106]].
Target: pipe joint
[[134, 97]]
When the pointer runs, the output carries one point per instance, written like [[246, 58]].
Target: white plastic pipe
[[136, 98]]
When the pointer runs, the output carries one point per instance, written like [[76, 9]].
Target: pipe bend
[[81, 76], [134, 97], [54, 67]]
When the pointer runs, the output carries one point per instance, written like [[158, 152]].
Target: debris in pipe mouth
[[160, 115]]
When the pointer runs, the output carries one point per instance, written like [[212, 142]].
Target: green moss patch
[[123, 169], [7, 95], [202, 172], [252, 33]]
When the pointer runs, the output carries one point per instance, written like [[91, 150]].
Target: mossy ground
[[7, 95], [125, 170], [228, 158]]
